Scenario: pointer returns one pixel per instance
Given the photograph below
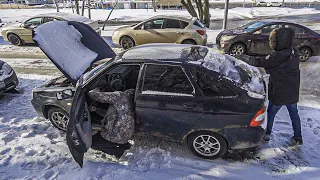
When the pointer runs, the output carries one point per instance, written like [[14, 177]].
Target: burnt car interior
[[120, 78]]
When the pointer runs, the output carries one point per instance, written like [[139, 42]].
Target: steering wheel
[[116, 82]]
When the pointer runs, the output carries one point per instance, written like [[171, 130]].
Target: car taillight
[[201, 32], [258, 118]]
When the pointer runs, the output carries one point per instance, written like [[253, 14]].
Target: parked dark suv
[[253, 38], [189, 93]]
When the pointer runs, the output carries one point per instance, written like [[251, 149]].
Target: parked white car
[[274, 4]]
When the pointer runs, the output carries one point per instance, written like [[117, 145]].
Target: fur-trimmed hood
[[281, 38]]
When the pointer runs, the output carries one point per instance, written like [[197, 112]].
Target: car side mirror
[[65, 94], [26, 25]]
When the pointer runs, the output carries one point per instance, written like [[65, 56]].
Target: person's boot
[[266, 137], [297, 141]]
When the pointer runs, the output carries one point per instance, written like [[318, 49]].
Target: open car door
[[73, 47], [79, 131]]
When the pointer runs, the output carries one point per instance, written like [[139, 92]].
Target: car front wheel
[[304, 54], [207, 145], [238, 48], [15, 40], [59, 118], [127, 42]]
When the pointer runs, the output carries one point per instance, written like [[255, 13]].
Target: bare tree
[[56, 4], [203, 10], [154, 5], [104, 24], [89, 9], [83, 6], [77, 6]]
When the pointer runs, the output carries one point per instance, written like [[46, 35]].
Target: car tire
[[199, 145], [189, 41], [127, 42], [59, 118], [15, 39], [304, 54], [238, 48]]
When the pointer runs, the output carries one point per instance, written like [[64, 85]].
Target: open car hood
[[72, 46]]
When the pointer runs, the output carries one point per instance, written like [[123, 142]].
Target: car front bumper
[[37, 107], [224, 46], [9, 82]]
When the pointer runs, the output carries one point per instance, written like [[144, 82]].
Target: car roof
[[158, 52], [66, 16], [182, 18]]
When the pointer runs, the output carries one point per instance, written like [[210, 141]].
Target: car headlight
[[6, 68], [227, 38]]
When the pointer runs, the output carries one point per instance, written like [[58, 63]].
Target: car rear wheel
[[59, 118], [207, 145], [238, 48], [304, 54], [189, 41], [127, 42], [15, 40]]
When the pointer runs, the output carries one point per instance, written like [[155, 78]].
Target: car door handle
[[190, 105], [179, 33]]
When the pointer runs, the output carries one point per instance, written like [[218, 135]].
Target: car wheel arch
[[47, 107], [217, 132], [189, 39], [125, 35], [9, 32], [307, 46]]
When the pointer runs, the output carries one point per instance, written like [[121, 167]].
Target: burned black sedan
[[8, 78], [184, 93], [187, 93]]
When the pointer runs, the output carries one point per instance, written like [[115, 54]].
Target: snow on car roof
[[66, 16], [213, 60]]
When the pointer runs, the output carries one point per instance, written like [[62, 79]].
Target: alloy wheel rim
[[60, 120], [304, 54], [127, 43], [14, 40], [206, 145], [237, 49]]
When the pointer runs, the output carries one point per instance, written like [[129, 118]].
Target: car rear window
[[173, 23], [243, 75], [199, 24], [183, 24]]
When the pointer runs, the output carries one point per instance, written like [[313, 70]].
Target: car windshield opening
[[97, 69]]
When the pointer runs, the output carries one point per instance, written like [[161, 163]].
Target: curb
[[23, 55]]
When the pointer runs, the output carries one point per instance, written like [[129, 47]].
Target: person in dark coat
[[284, 82]]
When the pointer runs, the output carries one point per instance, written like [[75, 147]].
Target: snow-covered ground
[[31, 148], [9, 16]]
